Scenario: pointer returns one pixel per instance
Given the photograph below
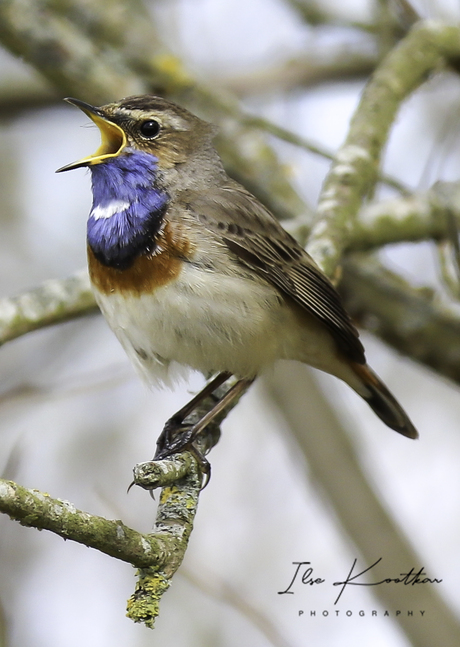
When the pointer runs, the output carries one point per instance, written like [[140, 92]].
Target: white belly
[[206, 321], [211, 323]]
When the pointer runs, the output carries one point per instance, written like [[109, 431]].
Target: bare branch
[[410, 319], [71, 58], [306, 71], [288, 136], [53, 302], [62, 53], [24, 92], [422, 216], [427, 47]]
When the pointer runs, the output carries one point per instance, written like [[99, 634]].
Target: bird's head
[[144, 123]]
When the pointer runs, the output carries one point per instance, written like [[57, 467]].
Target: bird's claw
[[175, 437], [178, 437]]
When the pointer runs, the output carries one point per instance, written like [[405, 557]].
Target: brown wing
[[260, 243]]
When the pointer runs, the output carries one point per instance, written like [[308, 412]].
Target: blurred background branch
[[69, 55], [334, 464], [101, 51], [413, 320], [51, 303], [354, 172]]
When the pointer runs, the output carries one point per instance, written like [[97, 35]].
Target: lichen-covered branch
[[157, 555], [127, 29], [428, 215], [39, 510], [293, 138], [315, 13], [174, 521], [52, 302], [426, 48], [176, 511], [421, 216]]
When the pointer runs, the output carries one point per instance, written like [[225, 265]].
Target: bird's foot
[[178, 437], [175, 436]]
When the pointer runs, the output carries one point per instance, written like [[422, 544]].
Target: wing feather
[[260, 243]]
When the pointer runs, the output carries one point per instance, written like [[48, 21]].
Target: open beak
[[113, 139]]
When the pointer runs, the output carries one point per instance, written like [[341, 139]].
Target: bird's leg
[[168, 445], [175, 423], [238, 388]]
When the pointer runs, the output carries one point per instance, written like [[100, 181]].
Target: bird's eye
[[149, 129]]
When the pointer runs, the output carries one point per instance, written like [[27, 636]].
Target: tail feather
[[383, 403]]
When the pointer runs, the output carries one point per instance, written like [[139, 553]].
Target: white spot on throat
[[109, 210]]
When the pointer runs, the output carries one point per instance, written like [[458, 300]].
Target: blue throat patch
[[128, 208]]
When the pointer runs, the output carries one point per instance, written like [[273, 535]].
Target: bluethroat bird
[[190, 269]]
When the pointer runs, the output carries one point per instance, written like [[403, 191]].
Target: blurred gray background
[[74, 418]]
